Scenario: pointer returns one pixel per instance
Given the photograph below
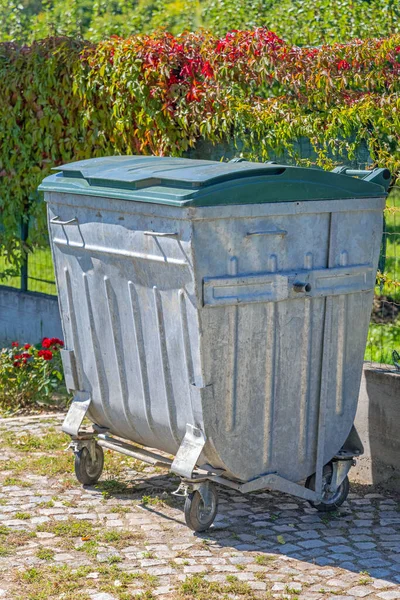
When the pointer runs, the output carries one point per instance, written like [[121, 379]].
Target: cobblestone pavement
[[125, 538]]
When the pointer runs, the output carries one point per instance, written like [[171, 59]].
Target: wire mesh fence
[[36, 275], [384, 332]]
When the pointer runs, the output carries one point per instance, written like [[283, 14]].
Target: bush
[[30, 375], [63, 99]]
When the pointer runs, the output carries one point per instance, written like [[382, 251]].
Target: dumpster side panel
[[128, 306], [355, 239], [263, 343]]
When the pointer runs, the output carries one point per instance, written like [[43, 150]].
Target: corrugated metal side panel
[[128, 315]]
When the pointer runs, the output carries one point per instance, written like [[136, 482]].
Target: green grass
[[45, 582], [40, 272], [45, 553], [384, 337], [27, 442]]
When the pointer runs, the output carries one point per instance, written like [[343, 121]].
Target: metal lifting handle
[[161, 234], [281, 232], [56, 221], [357, 172]]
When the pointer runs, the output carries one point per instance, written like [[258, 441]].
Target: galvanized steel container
[[234, 297]]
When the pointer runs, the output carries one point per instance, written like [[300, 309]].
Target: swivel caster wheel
[[201, 507], [87, 470], [330, 500]]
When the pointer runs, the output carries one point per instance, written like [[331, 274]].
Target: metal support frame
[[198, 478], [147, 456]]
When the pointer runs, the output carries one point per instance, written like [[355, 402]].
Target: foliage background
[[63, 99], [312, 22]]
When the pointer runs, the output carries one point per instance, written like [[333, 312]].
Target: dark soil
[[385, 310]]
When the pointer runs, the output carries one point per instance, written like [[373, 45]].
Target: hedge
[[63, 99]]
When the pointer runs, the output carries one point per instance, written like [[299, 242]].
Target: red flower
[[343, 65], [56, 342], [17, 364], [15, 344], [27, 346], [26, 355], [45, 354], [46, 342]]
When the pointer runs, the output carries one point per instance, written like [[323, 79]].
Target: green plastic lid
[[186, 182]]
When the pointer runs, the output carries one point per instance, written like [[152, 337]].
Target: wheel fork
[[340, 468], [203, 487], [86, 441]]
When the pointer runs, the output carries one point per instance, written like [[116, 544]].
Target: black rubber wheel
[[330, 500], [88, 472], [198, 516]]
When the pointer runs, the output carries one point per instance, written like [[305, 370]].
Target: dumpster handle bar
[[56, 221], [281, 232], [161, 233]]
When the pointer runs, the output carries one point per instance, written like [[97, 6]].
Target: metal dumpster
[[217, 312]]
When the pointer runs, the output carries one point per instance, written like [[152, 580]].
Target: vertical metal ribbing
[[305, 368], [166, 374], [341, 351], [341, 340], [74, 330], [270, 373], [103, 396], [233, 318], [141, 350], [186, 337], [118, 353], [324, 390], [194, 391]]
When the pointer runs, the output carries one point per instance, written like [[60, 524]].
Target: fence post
[[24, 265]]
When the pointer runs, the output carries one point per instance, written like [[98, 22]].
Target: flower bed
[[30, 375]]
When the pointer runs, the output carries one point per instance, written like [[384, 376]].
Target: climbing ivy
[[63, 99]]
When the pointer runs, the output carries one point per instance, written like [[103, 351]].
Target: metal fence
[[383, 344], [36, 273]]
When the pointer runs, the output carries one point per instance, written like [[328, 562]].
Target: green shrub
[[29, 374]]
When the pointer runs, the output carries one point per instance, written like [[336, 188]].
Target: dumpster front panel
[[285, 318], [126, 293]]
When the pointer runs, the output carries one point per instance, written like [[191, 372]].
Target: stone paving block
[[312, 544], [339, 597], [389, 595], [360, 591]]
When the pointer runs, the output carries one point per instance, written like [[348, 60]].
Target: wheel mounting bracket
[[340, 468], [90, 443], [76, 413], [204, 490], [189, 452]]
